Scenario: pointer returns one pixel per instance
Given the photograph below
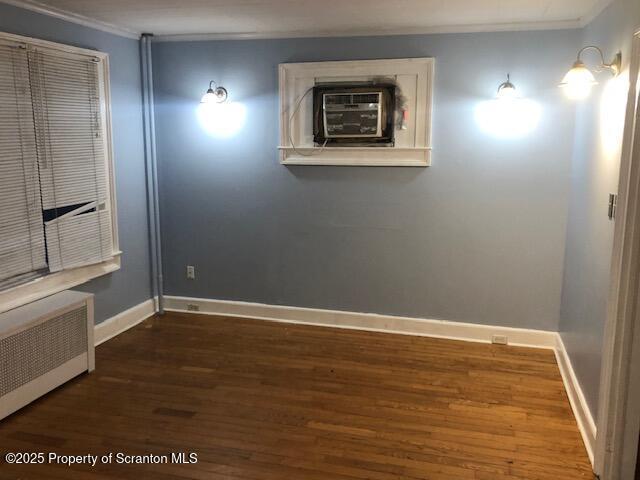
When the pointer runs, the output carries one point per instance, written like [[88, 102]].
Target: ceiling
[[282, 18]]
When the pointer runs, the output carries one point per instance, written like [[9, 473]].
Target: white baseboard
[[123, 321], [578, 402], [363, 321]]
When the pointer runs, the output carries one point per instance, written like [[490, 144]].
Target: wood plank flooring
[[258, 400]]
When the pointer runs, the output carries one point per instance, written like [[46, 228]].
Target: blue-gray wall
[[477, 237], [594, 175], [131, 284]]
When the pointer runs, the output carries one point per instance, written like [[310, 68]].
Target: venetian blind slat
[[22, 242], [69, 130], [79, 240], [72, 159]]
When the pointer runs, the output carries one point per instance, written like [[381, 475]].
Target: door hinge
[[613, 204]]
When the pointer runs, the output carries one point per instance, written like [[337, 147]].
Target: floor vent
[[42, 345]]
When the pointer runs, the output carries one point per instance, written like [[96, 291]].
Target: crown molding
[[596, 10], [373, 32], [38, 7]]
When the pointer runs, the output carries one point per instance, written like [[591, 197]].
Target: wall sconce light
[[507, 90], [217, 116], [214, 95], [578, 81], [508, 116]]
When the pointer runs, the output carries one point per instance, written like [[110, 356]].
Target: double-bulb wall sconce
[[578, 81], [215, 94]]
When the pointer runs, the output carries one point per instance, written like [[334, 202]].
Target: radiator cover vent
[[31, 353]]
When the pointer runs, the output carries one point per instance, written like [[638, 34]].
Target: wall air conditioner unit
[[43, 345], [357, 114]]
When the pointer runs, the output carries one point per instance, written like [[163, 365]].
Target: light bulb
[[578, 81], [507, 90], [217, 95], [507, 93], [209, 97]]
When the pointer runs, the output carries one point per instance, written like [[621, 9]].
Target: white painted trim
[[85, 21], [110, 163], [578, 401], [374, 32], [124, 321], [364, 321], [357, 156], [412, 146], [619, 398], [55, 282], [596, 10], [62, 47], [68, 16]]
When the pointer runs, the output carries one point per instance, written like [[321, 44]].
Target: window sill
[[56, 282], [357, 156]]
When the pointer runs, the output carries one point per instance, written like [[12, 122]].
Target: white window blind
[[22, 244], [79, 240], [55, 205], [71, 156], [67, 118]]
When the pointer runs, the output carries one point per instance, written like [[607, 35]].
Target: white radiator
[[42, 345]]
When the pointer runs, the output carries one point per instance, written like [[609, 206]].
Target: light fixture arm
[[615, 66]]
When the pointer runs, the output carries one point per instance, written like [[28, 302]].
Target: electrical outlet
[[499, 339], [191, 272], [192, 307]]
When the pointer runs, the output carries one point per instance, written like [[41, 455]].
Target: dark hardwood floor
[[265, 401]]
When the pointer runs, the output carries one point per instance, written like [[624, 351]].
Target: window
[[57, 219]]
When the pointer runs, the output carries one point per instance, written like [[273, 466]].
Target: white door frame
[[619, 402]]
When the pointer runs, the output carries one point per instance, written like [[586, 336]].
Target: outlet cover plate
[[499, 339]]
